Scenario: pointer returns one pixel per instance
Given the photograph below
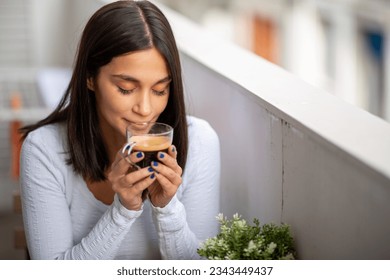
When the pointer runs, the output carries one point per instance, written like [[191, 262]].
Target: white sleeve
[[46, 212], [185, 222]]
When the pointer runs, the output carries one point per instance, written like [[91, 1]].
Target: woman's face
[[131, 88]]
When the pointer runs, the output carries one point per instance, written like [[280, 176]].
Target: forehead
[[142, 64]]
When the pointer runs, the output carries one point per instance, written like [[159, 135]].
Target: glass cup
[[149, 138]]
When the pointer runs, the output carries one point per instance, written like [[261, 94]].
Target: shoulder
[[50, 139], [201, 137], [200, 129], [48, 133], [203, 158], [44, 155]]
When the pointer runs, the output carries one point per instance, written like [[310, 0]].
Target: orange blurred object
[[15, 137], [265, 39]]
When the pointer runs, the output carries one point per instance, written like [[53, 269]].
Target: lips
[[138, 127], [138, 121]]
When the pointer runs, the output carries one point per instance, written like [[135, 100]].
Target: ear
[[91, 84]]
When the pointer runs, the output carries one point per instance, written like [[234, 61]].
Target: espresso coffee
[[150, 145]]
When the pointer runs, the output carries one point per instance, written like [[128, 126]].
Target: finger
[[132, 178], [167, 172], [123, 158], [143, 184], [120, 166], [129, 156], [169, 187], [134, 157], [170, 162], [132, 197], [172, 151]]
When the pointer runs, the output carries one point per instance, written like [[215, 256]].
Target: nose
[[143, 105]]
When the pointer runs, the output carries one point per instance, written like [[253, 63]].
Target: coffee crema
[[150, 143]]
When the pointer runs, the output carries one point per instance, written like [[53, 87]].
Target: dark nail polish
[[161, 155], [152, 176], [150, 169], [139, 155], [155, 163], [173, 149]]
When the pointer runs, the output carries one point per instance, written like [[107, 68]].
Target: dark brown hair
[[115, 29]]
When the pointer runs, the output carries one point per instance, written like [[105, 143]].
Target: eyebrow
[[128, 78]]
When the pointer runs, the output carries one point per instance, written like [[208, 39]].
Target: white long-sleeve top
[[63, 219]]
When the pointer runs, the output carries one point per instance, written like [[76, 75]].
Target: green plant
[[238, 240]]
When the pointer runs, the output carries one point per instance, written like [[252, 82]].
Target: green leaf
[[241, 241]]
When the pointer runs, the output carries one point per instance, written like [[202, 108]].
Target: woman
[[79, 199]]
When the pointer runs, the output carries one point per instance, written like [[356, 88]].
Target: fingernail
[[155, 163], [152, 176], [150, 169], [161, 155], [139, 155], [173, 149]]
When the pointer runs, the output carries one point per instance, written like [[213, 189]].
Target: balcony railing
[[291, 153]]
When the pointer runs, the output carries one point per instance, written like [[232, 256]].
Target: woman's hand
[[168, 174], [129, 182]]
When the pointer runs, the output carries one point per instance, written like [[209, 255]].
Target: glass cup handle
[[126, 152]]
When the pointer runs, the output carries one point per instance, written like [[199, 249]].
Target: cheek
[[110, 103], [162, 104]]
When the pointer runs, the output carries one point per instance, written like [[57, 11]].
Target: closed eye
[[125, 91], [160, 93]]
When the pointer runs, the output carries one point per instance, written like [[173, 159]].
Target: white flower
[[271, 247], [241, 224], [219, 217], [236, 216], [251, 246]]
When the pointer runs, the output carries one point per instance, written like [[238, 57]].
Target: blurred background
[[337, 45], [340, 46]]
